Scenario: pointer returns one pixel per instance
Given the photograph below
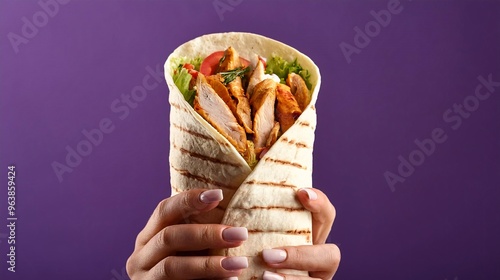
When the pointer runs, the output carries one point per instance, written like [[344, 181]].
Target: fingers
[[175, 267], [321, 261], [187, 237], [268, 275], [177, 208], [322, 210]]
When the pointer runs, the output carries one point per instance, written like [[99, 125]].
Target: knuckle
[[162, 208], [139, 239], [188, 201], [206, 233], [293, 255], [167, 269], [211, 266], [130, 264], [207, 265], [165, 237]]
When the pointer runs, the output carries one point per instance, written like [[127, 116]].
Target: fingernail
[[310, 193], [211, 196], [235, 234], [234, 263], [268, 275], [273, 256]]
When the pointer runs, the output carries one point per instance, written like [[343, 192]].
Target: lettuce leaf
[[281, 68], [196, 63], [181, 80]]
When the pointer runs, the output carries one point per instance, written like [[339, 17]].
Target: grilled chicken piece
[[230, 60], [256, 77], [273, 136], [213, 109], [250, 156], [299, 90], [287, 109], [215, 82], [262, 103], [242, 104]]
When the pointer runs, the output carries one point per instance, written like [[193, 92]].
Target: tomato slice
[[188, 66], [211, 62], [190, 69], [193, 73]]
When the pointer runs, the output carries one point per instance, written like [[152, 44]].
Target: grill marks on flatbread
[[266, 203], [271, 184], [284, 162], [202, 179], [293, 142], [200, 159], [305, 232], [205, 157], [306, 124], [272, 207], [197, 134], [263, 200]]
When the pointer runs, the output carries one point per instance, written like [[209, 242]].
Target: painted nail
[[234, 263], [211, 196], [310, 193], [235, 234], [268, 275], [273, 256]]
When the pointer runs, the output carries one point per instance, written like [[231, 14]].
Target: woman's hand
[[320, 259], [160, 247]]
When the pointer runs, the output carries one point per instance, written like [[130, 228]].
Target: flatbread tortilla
[[263, 199]]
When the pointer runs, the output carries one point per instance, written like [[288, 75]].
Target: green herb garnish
[[222, 59], [280, 67], [230, 75]]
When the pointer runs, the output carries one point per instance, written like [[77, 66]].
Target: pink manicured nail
[[268, 275], [235, 234], [310, 193], [234, 263], [211, 196], [273, 256]]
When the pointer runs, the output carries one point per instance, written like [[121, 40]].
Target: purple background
[[441, 223]]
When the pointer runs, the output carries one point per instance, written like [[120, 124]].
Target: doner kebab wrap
[[242, 119]]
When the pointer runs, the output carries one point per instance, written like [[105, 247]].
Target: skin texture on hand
[[162, 247], [168, 248], [320, 259]]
